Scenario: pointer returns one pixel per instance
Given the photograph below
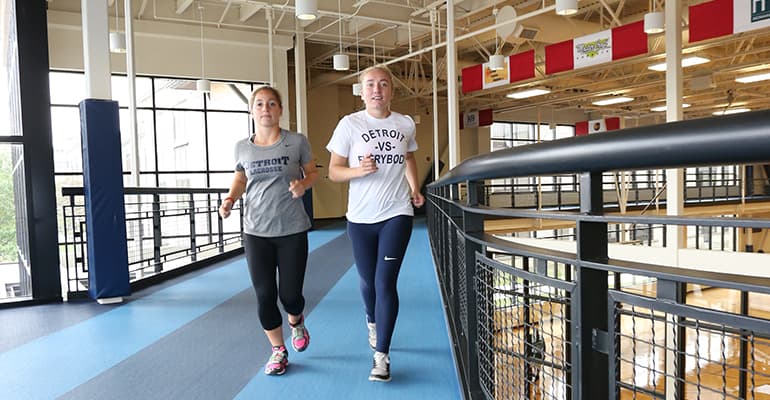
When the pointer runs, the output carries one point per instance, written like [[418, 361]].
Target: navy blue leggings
[[288, 256], [379, 251]]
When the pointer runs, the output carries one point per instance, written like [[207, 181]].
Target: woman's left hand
[[296, 188], [417, 199]]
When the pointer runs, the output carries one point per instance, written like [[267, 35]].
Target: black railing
[[636, 188], [169, 231], [590, 319]]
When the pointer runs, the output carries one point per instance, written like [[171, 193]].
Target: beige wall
[[168, 49], [326, 105], [474, 141]]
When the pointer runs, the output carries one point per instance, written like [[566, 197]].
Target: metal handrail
[[671, 145]]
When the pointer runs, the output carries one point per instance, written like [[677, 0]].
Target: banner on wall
[[750, 15], [597, 125], [597, 48], [475, 119], [725, 17], [518, 67], [495, 77], [593, 49]]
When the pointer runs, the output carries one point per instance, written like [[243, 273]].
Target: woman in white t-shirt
[[374, 150]]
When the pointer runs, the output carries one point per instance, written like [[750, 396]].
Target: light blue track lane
[[337, 363], [52, 365]]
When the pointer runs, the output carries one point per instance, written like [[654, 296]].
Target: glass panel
[[143, 91], [221, 180], [183, 180], [146, 128], [501, 131], [564, 131], [229, 96], [15, 279], [65, 181], [546, 133], [146, 141], [225, 129], [67, 88], [177, 93], [181, 145], [10, 109], [126, 143], [148, 180], [500, 144], [65, 128]]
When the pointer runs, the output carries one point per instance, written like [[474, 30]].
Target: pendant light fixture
[[341, 61], [653, 21], [306, 10], [117, 38], [496, 61], [566, 7], [202, 84]]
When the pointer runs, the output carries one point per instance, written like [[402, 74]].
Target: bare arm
[[340, 172], [237, 188], [298, 187], [411, 176]]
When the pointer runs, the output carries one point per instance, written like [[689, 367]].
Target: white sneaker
[[372, 335], [380, 367]]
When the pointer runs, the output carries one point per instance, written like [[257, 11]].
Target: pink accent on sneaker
[[278, 361], [300, 337]]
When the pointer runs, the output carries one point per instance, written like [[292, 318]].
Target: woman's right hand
[[224, 209], [368, 166]]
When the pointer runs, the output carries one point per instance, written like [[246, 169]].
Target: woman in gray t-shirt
[[273, 168]]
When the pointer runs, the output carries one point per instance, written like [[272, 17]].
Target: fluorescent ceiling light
[[613, 100], [663, 107], [686, 62], [753, 78], [527, 93], [731, 111]]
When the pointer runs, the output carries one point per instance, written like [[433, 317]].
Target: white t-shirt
[[383, 194]]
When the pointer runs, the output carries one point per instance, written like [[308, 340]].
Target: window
[[505, 135], [185, 138], [15, 273]]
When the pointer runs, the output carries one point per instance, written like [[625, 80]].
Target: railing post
[[674, 292], [220, 227], [193, 245], [157, 238], [472, 223], [590, 375]]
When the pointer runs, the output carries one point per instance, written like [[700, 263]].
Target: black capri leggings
[[289, 255]]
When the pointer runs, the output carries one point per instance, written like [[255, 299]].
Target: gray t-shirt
[[269, 209]]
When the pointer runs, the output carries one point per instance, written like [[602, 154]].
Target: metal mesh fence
[[524, 333], [666, 350]]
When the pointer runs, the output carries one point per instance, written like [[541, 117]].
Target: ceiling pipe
[[442, 44]]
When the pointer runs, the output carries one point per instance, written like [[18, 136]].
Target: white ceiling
[[392, 29]]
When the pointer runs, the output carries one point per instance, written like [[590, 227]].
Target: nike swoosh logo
[[390, 258]]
